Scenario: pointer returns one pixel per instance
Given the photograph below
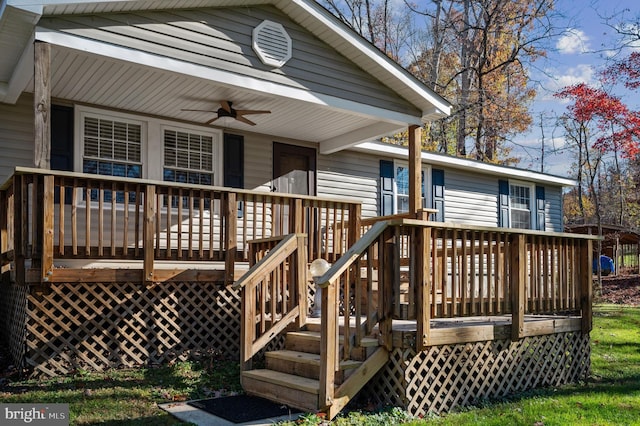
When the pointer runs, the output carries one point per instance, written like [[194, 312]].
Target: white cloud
[[581, 73], [573, 41]]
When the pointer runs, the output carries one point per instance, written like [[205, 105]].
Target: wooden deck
[[101, 271]]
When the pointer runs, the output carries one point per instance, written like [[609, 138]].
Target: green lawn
[[611, 396]]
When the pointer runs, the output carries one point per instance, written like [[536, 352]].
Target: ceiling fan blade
[[245, 120], [198, 110], [226, 105], [251, 111], [212, 120]]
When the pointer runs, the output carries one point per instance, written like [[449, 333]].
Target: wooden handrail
[[352, 254], [274, 287], [19, 170], [282, 250]]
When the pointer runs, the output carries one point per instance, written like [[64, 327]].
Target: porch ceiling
[[92, 79]]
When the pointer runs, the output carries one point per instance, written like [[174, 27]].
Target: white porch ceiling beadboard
[[99, 81]]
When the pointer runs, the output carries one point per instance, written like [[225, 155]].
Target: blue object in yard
[[606, 265]]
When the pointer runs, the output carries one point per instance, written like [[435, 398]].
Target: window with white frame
[[112, 147], [188, 157], [402, 188], [520, 205]]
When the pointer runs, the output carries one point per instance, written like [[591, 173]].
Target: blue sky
[[573, 57]]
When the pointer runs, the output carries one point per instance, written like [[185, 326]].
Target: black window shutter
[[540, 209], [234, 164], [62, 144], [386, 187], [62, 138], [233, 161], [437, 182], [503, 203]]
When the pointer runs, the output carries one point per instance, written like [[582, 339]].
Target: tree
[[600, 124], [472, 52], [476, 56]]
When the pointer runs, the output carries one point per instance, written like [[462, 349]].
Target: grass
[[130, 397]]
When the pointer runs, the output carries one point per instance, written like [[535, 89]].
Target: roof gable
[[307, 13]]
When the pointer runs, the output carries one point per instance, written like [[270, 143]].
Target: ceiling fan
[[226, 110]]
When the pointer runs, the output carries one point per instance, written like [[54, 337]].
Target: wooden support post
[[423, 288], [42, 105], [390, 264], [247, 328], [355, 219], [415, 169], [328, 345], [46, 265], [518, 277], [20, 223], [296, 215], [586, 285], [231, 235], [149, 231], [302, 280]]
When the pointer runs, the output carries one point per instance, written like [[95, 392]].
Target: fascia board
[[396, 151]]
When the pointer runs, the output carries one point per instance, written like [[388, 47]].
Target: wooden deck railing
[[439, 270], [81, 216]]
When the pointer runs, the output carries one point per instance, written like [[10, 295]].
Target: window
[[517, 208], [111, 147], [520, 206], [402, 188], [188, 157], [394, 187]]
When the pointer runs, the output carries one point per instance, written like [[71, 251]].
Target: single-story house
[[158, 156]]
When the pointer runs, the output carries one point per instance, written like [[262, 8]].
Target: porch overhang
[[171, 85]]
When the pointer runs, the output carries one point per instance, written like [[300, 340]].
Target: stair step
[[308, 358], [313, 332], [304, 364], [294, 391]]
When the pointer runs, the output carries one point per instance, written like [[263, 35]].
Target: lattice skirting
[[443, 377], [13, 317], [104, 325]]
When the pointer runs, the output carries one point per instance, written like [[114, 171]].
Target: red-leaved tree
[[601, 127]]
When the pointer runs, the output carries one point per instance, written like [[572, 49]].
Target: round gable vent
[[272, 43]]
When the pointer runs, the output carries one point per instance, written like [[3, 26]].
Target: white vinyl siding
[[352, 175], [16, 136], [470, 198]]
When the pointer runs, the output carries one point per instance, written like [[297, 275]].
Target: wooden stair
[[291, 376]]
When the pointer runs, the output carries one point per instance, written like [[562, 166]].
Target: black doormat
[[243, 408]]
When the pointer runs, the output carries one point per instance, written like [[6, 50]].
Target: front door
[[294, 172], [294, 169]]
